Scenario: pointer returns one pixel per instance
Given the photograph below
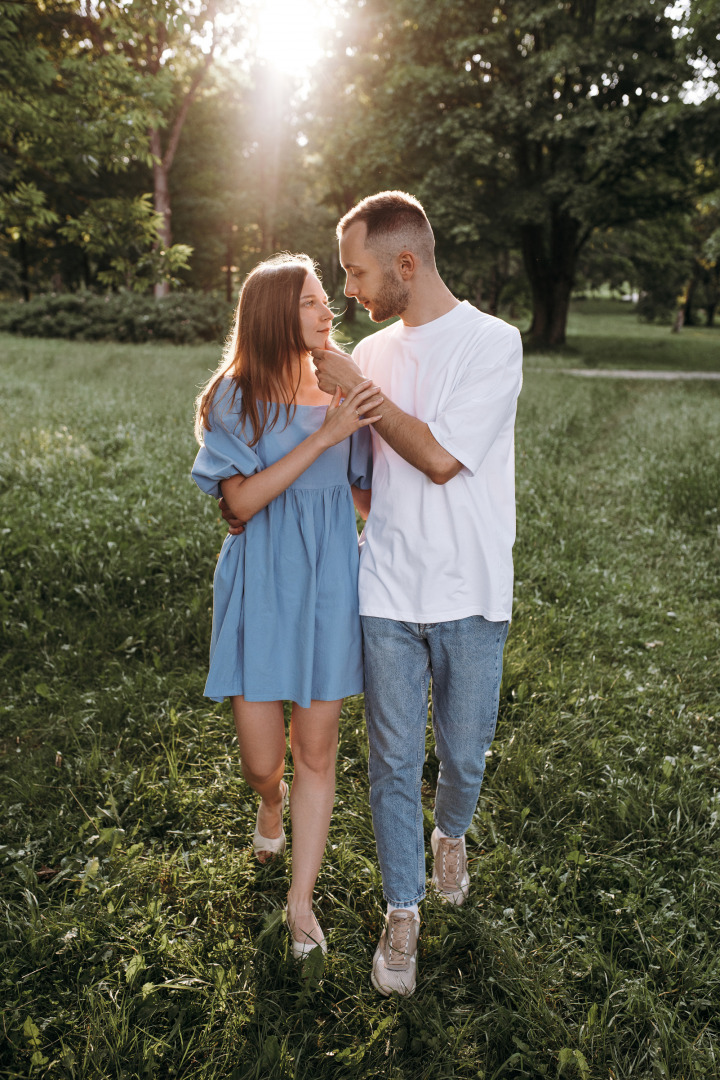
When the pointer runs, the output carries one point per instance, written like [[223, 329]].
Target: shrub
[[182, 317]]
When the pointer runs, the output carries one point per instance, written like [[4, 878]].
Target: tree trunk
[[689, 317], [228, 268], [550, 260], [712, 293], [561, 292], [495, 288], [24, 268], [161, 201]]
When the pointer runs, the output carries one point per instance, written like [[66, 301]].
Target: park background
[[150, 154]]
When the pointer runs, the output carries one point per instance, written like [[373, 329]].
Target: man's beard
[[392, 299]]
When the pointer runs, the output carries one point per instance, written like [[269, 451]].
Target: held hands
[[335, 368], [341, 419], [344, 417]]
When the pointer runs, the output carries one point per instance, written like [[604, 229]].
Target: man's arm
[[235, 525], [409, 437], [362, 498]]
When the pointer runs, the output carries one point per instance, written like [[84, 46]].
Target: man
[[436, 553]]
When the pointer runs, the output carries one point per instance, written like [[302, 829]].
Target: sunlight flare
[[291, 33]]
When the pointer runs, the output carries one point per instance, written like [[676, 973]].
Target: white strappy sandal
[[301, 949], [269, 846]]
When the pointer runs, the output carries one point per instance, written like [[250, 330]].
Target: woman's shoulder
[[226, 403]]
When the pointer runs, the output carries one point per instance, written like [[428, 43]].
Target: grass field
[[139, 937], [608, 334]]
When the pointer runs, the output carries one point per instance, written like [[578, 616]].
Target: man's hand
[[235, 526], [336, 368]]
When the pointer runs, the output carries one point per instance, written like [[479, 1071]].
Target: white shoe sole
[[393, 990]]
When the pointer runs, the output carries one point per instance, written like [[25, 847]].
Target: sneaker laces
[[399, 933], [450, 862]]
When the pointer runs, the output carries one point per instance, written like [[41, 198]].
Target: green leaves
[[126, 234], [573, 1063], [133, 969], [523, 127]]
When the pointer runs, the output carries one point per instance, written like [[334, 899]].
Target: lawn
[[608, 334], [140, 939]]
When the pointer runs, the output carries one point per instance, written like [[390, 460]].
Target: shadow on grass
[[609, 334]]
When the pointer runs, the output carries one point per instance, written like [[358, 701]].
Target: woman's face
[[315, 315]]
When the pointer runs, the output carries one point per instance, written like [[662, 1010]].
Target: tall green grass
[[140, 938]]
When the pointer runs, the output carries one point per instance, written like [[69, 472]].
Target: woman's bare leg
[[260, 730], [314, 740]]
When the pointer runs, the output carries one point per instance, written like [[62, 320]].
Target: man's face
[[378, 287], [315, 315]]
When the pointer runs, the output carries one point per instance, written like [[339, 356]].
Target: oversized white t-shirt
[[437, 552]]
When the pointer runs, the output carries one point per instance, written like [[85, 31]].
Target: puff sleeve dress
[[285, 601]]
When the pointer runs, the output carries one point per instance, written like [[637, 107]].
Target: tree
[[126, 236], [66, 122], [701, 38], [90, 89], [526, 124], [170, 45], [242, 185], [703, 284]]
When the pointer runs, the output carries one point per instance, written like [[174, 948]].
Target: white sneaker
[[395, 962], [450, 873]]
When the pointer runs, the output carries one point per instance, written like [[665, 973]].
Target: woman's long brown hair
[[261, 353]]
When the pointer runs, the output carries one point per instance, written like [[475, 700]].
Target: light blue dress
[[285, 604]]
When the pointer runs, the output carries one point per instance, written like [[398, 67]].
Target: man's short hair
[[393, 220]]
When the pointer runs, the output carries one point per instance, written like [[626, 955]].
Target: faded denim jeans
[[464, 660]]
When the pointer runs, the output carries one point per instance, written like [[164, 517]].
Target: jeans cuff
[[404, 903], [446, 833]]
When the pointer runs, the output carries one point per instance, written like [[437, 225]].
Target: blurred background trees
[[557, 147]]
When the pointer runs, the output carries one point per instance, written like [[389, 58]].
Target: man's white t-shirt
[[437, 552]]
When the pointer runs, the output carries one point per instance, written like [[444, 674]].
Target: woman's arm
[[361, 498], [409, 437], [246, 495]]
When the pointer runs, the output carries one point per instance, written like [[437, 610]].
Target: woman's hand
[[246, 495], [344, 417]]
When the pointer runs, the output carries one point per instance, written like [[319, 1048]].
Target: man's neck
[[431, 300]]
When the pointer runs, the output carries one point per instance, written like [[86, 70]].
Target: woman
[[285, 609]]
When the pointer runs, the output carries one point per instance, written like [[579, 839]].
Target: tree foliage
[[127, 235], [170, 46], [88, 90], [546, 139], [524, 123], [68, 121]]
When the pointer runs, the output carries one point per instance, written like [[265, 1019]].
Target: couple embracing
[[415, 431]]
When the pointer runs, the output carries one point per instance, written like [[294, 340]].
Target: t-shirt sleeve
[[359, 355], [480, 404], [223, 453], [360, 463]]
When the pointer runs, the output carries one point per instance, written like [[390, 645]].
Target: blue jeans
[[464, 660]]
